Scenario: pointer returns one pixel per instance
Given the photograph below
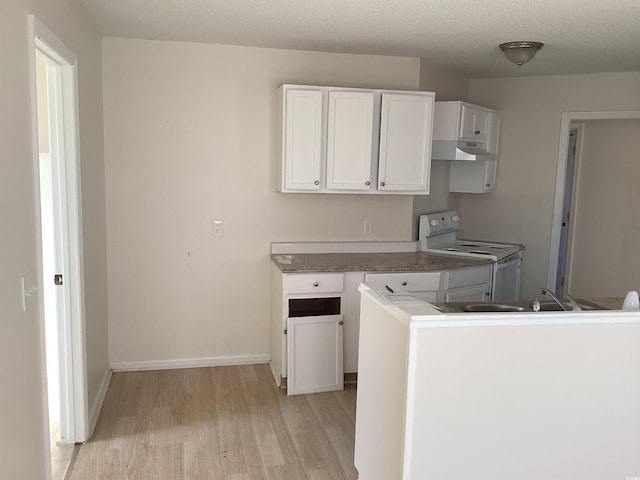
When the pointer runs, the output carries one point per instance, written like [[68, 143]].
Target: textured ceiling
[[580, 36]]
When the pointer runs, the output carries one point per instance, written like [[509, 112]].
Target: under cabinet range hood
[[463, 131], [457, 150]]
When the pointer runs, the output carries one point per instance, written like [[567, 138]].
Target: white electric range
[[437, 233]]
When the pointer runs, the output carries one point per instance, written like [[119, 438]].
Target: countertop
[[372, 262], [413, 311]]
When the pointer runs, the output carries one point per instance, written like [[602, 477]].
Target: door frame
[[74, 419], [565, 127], [573, 202]]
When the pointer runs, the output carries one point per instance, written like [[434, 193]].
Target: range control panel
[[440, 223]]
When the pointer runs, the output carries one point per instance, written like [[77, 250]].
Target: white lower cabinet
[[425, 285], [479, 293], [307, 331], [470, 284], [314, 354], [315, 318]]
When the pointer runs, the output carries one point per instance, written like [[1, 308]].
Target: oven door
[[506, 279]]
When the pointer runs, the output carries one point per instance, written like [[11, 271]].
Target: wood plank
[[223, 423]]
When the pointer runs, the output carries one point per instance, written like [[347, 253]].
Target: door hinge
[[57, 279], [285, 331]]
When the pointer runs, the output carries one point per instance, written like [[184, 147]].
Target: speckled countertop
[[372, 262]]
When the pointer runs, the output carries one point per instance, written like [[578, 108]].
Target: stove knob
[[455, 218], [434, 223]]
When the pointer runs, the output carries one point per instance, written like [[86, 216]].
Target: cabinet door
[[314, 354], [349, 140], [479, 293], [490, 171], [405, 142], [302, 139], [473, 123], [493, 132], [478, 176], [406, 281]]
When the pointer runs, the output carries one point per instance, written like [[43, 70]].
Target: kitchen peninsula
[[533, 396]]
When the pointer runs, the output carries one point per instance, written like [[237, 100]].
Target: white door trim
[[75, 426], [563, 150]]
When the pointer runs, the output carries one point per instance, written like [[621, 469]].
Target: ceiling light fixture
[[520, 52]]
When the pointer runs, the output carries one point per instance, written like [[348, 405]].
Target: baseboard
[[189, 363], [351, 378], [94, 413], [277, 379]]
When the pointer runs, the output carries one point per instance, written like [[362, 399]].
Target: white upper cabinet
[[405, 142], [473, 177], [349, 140], [473, 124], [302, 140], [493, 132]]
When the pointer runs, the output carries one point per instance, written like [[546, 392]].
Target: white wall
[[532, 402], [607, 210], [22, 403], [448, 85], [521, 207], [190, 137]]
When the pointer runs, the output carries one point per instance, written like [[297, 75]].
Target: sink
[[492, 307], [584, 305], [526, 306]]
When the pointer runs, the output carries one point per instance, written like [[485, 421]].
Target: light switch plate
[[29, 287]]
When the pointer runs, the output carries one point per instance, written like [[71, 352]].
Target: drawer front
[[410, 281], [463, 277], [313, 283]]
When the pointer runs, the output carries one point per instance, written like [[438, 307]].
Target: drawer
[[410, 281], [463, 277], [313, 283]]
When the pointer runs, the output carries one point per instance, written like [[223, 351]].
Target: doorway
[[568, 205], [56, 167], [568, 120]]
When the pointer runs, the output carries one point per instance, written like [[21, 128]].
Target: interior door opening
[[56, 151], [566, 233], [52, 253], [593, 193]]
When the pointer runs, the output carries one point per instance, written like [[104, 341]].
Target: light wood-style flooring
[[61, 455], [217, 423]]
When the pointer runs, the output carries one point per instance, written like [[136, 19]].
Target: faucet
[[574, 305]]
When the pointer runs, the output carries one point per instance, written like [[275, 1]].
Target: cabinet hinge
[[285, 331]]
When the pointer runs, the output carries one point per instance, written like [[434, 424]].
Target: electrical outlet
[[217, 230], [367, 226]]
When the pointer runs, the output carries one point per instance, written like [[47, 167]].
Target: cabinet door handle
[[341, 322], [477, 132], [404, 283], [382, 184], [315, 284], [367, 183], [317, 182]]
